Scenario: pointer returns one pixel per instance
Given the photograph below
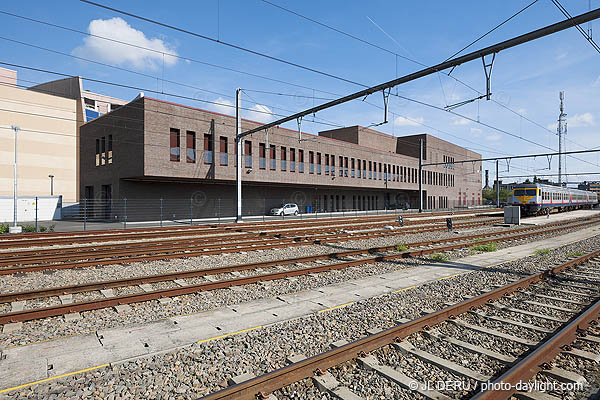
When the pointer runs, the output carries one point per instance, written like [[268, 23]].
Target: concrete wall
[[48, 208], [46, 143]]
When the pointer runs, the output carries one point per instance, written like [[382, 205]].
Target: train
[[537, 198]]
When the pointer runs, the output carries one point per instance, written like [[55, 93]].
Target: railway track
[[526, 323], [245, 274], [118, 253], [64, 238]]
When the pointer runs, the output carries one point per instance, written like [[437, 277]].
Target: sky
[[187, 69]]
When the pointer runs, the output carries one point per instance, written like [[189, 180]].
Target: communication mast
[[561, 130]]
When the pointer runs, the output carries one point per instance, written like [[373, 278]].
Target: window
[[318, 163], [326, 164], [190, 147], [262, 156], [272, 157], [311, 162], [283, 159], [301, 161], [379, 171], [223, 150], [248, 153], [103, 149], [109, 149], [208, 148], [358, 165], [364, 169], [113, 106], [353, 173], [174, 144], [292, 160], [332, 159], [341, 165], [370, 171], [97, 152], [89, 103], [346, 167]]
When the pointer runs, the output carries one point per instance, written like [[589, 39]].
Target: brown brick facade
[[142, 166]]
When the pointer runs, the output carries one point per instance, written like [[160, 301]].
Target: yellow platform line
[[451, 276], [229, 334], [403, 289], [53, 378], [336, 307]]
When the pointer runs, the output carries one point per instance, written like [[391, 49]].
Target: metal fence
[[196, 210]]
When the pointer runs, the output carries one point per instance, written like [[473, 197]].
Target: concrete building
[[591, 186], [150, 149], [49, 116]]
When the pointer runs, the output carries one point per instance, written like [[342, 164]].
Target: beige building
[[49, 116], [46, 143]]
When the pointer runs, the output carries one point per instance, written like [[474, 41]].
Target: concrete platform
[[43, 360]]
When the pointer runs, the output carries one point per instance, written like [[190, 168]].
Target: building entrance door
[[106, 200]]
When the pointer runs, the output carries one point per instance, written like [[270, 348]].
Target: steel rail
[[534, 362], [43, 238], [285, 376], [57, 291], [190, 253], [52, 311], [144, 248]]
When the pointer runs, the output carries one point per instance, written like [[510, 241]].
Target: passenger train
[[535, 198]]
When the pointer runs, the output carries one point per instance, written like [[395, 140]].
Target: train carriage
[[536, 198]]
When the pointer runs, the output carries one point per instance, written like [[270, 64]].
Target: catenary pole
[[238, 146], [420, 175], [497, 186], [16, 129]]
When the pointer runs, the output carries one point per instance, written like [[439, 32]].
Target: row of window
[[104, 150], [293, 159], [449, 162]]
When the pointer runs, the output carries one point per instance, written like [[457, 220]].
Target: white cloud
[[581, 120], [476, 131], [408, 121], [576, 121], [493, 138], [461, 121], [121, 54], [223, 106], [260, 113]]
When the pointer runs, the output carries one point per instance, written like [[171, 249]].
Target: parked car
[[285, 209]]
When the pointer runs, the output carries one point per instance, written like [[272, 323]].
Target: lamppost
[[51, 184], [15, 228]]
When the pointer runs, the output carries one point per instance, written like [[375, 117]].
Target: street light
[[51, 184], [15, 228]]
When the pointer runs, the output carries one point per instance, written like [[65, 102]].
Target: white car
[[285, 209]]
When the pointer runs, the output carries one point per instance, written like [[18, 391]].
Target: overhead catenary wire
[[424, 65], [243, 72]]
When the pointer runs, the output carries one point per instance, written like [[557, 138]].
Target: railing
[[292, 166], [208, 157], [283, 165], [262, 163], [223, 158], [248, 160], [301, 167]]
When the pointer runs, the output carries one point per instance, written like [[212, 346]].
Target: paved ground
[[20, 365]]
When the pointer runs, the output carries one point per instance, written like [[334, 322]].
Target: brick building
[[151, 149]]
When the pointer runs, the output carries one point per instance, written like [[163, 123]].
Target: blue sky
[[526, 79]]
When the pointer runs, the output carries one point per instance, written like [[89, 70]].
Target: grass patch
[[439, 257], [576, 254], [542, 252], [401, 248], [3, 228], [486, 248], [478, 239]]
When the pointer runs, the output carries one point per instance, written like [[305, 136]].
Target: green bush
[[42, 228], [486, 248], [3, 228], [576, 254], [28, 228], [439, 257], [51, 228], [401, 248], [542, 252]]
